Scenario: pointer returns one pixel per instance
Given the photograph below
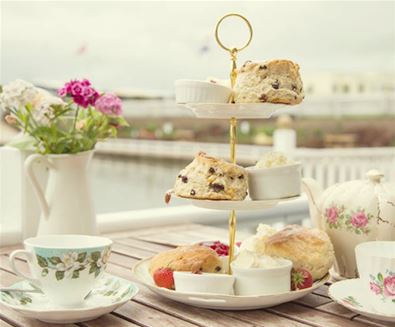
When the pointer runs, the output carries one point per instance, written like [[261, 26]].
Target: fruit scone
[[275, 81], [211, 178], [194, 258]]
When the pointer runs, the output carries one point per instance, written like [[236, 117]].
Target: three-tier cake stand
[[231, 111]]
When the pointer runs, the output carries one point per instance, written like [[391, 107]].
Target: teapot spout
[[313, 191]]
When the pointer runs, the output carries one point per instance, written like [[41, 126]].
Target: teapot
[[351, 213]]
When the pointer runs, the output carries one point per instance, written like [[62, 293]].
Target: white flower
[[17, 94], [68, 261]]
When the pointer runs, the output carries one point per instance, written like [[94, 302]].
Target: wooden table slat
[[311, 316], [108, 320], [4, 324]]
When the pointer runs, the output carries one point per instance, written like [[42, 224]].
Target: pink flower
[[389, 285], [375, 288], [359, 219], [109, 104], [332, 214], [80, 91]]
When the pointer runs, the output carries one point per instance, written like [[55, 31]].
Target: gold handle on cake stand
[[233, 121]]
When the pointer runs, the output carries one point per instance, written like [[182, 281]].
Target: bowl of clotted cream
[[274, 177], [257, 274]]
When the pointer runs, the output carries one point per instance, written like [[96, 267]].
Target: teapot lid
[[374, 176]]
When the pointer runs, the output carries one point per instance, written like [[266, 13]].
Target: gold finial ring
[[217, 32]]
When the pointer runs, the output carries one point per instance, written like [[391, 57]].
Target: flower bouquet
[[71, 123], [63, 131]]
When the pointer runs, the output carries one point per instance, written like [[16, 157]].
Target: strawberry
[[221, 248], [300, 279], [163, 277]]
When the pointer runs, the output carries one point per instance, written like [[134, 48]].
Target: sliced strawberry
[[300, 279], [163, 277], [219, 247]]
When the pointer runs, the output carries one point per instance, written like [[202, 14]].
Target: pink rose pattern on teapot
[[353, 221]]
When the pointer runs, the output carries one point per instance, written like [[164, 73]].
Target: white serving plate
[[220, 302], [236, 110], [349, 293], [246, 204]]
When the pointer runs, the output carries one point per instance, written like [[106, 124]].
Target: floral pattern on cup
[[383, 285], [70, 264], [354, 221]]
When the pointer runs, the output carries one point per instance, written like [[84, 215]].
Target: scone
[[275, 81], [195, 258], [211, 178], [307, 248]]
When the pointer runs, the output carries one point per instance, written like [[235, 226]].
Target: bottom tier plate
[[220, 302]]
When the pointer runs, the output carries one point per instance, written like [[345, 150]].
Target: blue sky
[[148, 45]]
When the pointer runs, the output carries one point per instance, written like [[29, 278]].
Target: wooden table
[[148, 309]]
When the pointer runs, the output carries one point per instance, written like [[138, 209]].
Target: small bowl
[[261, 281], [274, 183], [191, 91], [188, 282]]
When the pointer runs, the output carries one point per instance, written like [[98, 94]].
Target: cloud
[[150, 44]]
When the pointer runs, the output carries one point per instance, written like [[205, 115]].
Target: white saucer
[[237, 110], [110, 293], [349, 294], [218, 301]]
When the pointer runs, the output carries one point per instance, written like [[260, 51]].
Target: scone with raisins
[[274, 81], [211, 178], [194, 258]]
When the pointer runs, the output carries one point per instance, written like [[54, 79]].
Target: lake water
[[126, 183]]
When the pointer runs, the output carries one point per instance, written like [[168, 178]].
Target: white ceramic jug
[[67, 206]]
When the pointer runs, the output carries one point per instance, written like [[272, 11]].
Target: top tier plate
[[236, 110]]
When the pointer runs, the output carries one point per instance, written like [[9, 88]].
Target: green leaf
[[25, 300], [44, 272], [81, 257], [93, 268], [95, 255], [42, 262], [380, 277], [54, 260], [25, 143], [59, 275], [97, 272], [76, 274]]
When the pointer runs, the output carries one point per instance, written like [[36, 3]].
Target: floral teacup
[[65, 267], [376, 267]]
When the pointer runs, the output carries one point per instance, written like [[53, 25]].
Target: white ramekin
[[190, 91], [261, 281], [274, 183], [187, 282]]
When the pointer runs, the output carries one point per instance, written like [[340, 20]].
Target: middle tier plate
[[246, 204], [236, 110]]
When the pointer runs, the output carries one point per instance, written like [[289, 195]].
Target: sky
[[148, 45]]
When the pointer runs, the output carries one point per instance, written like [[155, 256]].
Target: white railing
[[328, 166]]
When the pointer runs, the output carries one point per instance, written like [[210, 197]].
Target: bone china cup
[[376, 268], [65, 267]]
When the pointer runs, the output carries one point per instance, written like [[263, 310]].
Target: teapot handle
[[33, 179]]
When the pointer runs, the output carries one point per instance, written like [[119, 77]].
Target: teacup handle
[[29, 256]]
